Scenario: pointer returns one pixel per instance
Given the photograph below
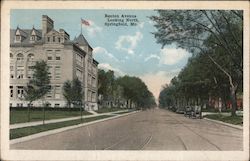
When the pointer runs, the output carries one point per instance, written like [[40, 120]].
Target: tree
[[213, 33], [67, 92], [136, 91], [77, 92], [39, 85], [73, 92], [106, 85]]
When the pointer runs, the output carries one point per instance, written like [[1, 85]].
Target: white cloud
[[107, 66], [141, 25], [152, 56], [102, 51], [128, 42], [151, 22], [171, 56], [92, 29], [155, 81]]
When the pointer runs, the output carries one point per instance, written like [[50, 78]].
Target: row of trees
[[215, 37], [125, 89]]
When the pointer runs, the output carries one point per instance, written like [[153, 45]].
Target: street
[[156, 129]]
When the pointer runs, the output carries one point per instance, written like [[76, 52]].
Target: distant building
[[66, 59]]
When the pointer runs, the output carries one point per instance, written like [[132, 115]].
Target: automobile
[[188, 111]]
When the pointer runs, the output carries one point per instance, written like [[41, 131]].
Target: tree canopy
[[213, 35], [39, 84], [128, 88], [73, 92]]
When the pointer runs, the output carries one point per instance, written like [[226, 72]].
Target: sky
[[127, 50]]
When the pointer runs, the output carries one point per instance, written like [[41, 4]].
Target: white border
[[116, 155]]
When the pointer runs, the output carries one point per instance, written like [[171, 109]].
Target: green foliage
[[19, 115], [136, 90], [73, 92], [236, 120], [214, 36], [39, 85], [124, 88], [67, 92], [21, 132]]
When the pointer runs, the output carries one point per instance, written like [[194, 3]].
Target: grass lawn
[[21, 132], [236, 120], [21, 116], [105, 109]]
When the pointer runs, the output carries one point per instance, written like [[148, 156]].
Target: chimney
[[47, 24]]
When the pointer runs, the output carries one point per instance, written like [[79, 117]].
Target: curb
[[36, 123], [55, 131], [225, 124]]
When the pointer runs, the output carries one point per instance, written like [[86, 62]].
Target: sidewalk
[[94, 114], [240, 113], [58, 130], [225, 124]]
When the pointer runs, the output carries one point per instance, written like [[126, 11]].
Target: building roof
[[95, 62], [81, 41], [37, 32], [26, 33]]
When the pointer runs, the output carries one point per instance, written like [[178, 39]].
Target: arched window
[[30, 57], [11, 56], [20, 56]]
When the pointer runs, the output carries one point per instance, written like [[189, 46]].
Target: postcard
[[116, 80]]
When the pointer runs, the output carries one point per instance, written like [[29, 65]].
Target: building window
[[57, 105], [20, 72], [50, 71], [30, 72], [32, 38], [93, 97], [20, 92], [93, 82], [30, 104], [57, 92], [11, 72], [48, 104], [11, 91], [79, 74], [19, 105], [30, 57], [50, 56], [48, 39], [89, 95], [89, 66], [20, 56], [57, 72], [79, 60], [59, 40], [49, 94], [18, 38], [11, 56], [89, 79], [54, 38], [58, 56]]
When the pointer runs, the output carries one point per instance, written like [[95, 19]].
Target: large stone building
[[67, 59]]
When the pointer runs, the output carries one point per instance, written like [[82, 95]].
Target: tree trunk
[[234, 100], [43, 115], [29, 112]]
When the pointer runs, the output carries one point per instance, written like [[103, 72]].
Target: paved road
[[148, 130]]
